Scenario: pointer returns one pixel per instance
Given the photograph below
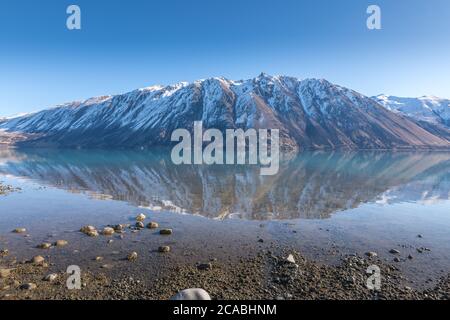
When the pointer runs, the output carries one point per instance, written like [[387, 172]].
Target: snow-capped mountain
[[309, 113], [428, 108]]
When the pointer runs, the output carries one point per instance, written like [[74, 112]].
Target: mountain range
[[310, 114]]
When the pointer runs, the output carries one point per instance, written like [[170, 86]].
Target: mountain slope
[[309, 114]]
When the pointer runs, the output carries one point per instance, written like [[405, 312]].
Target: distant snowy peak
[[427, 108]]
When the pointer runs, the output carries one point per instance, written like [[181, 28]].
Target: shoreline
[[264, 276]]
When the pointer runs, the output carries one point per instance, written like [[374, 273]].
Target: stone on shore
[[51, 277], [132, 256], [4, 252], [5, 273], [290, 259], [38, 260], [371, 254], [28, 286], [192, 294], [204, 266], [164, 249]]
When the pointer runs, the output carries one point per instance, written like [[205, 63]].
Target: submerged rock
[[165, 231], [152, 225], [108, 231], [140, 225], [61, 243], [140, 217], [87, 229], [192, 294], [45, 245]]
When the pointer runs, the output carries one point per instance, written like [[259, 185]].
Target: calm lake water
[[354, 201]]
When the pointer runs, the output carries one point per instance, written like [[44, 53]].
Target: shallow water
[[318, 202]]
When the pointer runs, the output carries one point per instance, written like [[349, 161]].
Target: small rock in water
[[87, 229], [110, 241], [140, 217], [140, 225], [152, 225], [45, 245], [261, 240], [38, 260], [28, 286], [108, 231], [371, 254], [118, 228], [5, 273], [410, 257], [20, 230], [165, 231], [164, 249], [93, 233], [396, 259], [419, 236], [61, 243], [419, 250], [4, 252], [394, 251], [192, 294], [204, 266], [51, 277], [132, 256], [290, 259], [98, 258]]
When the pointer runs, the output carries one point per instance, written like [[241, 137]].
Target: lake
[[319, 201]]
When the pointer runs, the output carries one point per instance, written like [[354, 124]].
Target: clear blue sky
[[125, 45]]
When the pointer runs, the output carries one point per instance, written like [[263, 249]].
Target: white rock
[[290, 259], [192, 294], [51, 277], [140, 217]]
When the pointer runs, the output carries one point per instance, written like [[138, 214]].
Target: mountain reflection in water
[[311, 185]]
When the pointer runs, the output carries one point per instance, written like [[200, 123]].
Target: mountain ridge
[[310, 114]]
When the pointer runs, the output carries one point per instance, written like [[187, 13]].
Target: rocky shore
[[261, 272]]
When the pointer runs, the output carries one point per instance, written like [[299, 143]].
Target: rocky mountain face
[[310, 114]]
